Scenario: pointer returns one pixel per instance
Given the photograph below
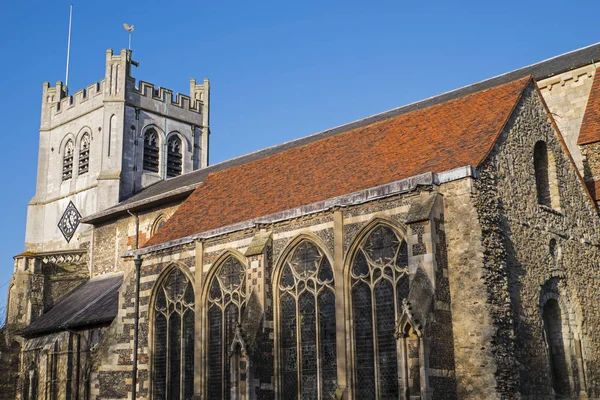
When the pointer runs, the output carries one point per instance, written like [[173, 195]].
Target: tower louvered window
[[67, 171], [84, 154], [173, 358], [379, 279], [307, 325], [151, 151], [174, 157], [226, 303]]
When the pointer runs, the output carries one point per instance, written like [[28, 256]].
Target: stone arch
[[84, 141], [174, 154], [561, 337], [183, 138], [157, 224], [224, 298], [374, 290], [63, 142], [168, 313], [305, 304], [153, 143]]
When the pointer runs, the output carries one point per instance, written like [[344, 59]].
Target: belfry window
[[84, 154], [307, 325], [151, 151], [67, 171], [173, 358], [379, 283], [174, 156], [226, 304]]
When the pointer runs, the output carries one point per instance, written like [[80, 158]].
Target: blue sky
[[278, 70]]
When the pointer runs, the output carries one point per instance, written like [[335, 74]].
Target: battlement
[[59, 106], [166, 96], [65, 101]]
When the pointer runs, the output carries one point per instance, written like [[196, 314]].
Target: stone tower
[[105, 143]]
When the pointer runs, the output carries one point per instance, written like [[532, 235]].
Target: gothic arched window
[[67, 171], [379, 283], [545, 176], [226, 303], [84, 154], [173, 358], [158, 223], [174, 156], [307, 324], [151, 151]]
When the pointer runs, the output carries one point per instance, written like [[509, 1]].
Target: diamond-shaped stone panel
[[69, 221]]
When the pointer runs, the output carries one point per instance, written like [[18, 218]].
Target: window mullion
[[318, 342], [375, 338], [298, 346]]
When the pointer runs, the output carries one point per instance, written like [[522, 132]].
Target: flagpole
[[69, 48]]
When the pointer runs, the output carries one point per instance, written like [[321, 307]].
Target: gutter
[[379, 192]]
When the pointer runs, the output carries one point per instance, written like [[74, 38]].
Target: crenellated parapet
[[167, 96]]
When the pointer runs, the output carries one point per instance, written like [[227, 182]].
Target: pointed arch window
[[174, 156], [226, 304], [173, 357], [84, 154], [307, 324], [67, 171], [379, 284], [151, 151]]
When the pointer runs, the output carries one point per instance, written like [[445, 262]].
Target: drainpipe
[[137, 260]]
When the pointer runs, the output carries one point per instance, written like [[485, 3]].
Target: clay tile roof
[[590, 127], [439, 138]]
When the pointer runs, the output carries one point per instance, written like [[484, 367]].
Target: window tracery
[[226, 304], [67, 171], [173, 358], [84, 154], [151, 151], [379, 284], [174, 157], [307, 324]]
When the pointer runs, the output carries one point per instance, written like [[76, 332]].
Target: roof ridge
[[414, 103]]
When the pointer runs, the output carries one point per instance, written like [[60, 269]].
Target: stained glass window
[[307, 325], [226, 300], [379, 279], [173, 361], [151, 151], [174, 156]]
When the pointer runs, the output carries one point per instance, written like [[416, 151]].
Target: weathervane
[[128, 29]]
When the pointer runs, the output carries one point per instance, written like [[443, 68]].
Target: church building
[[446, 249]]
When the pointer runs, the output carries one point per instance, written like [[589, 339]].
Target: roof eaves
[[140, 204], [363, 196]]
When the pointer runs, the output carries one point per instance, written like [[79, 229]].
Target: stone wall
[[472, 322], [566, 95], [335, 232], [526, 246], [114, 238]]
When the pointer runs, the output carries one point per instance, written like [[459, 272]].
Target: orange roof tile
[[439, 138], [590, 127]]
